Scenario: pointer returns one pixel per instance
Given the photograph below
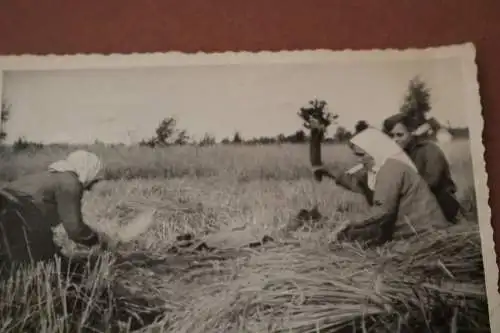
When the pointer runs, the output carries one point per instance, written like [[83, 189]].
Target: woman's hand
[[320, 172], [342, 231]]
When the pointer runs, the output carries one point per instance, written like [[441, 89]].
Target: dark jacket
[[44, 200], [433, 166]]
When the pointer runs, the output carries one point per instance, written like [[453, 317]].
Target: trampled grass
[[214, 190]]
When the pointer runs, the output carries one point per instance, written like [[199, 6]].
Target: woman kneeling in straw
[[402, 202]]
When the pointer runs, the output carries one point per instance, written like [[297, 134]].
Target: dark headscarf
[[391, 121]]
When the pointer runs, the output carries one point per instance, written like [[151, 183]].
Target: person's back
[[30, 209], [434, 168], [429, 160], [418, 209], [32, 205], [41, 188]]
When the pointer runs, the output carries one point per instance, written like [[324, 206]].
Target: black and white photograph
[[294, 191]]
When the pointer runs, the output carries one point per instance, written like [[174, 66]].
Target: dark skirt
[[25, 237]]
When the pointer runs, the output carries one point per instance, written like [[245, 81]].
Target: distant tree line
[[416, 105], [167, 133]]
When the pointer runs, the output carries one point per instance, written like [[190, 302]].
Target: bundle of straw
[[428, 281], [48, 298]]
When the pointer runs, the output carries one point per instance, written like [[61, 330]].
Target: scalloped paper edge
[[466, 52], [177, 58]]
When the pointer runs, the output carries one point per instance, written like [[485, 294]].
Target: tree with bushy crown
[[165, 130], [237, 139], [207, 140], [167, 134], [342, 134], [317, 110], [416, 104], [182, 138], [316, 118], [361, 125]]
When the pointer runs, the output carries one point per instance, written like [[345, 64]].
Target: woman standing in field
[[32, 205], [403, 205], [430, 162]]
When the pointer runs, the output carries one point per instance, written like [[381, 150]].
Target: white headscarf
[[381, 148], [85, 164]]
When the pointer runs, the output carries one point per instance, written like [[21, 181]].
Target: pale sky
[[257, 100]]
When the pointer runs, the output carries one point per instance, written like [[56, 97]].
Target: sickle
[[134, 229]]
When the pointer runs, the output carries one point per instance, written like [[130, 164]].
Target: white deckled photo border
[[465, 52]]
